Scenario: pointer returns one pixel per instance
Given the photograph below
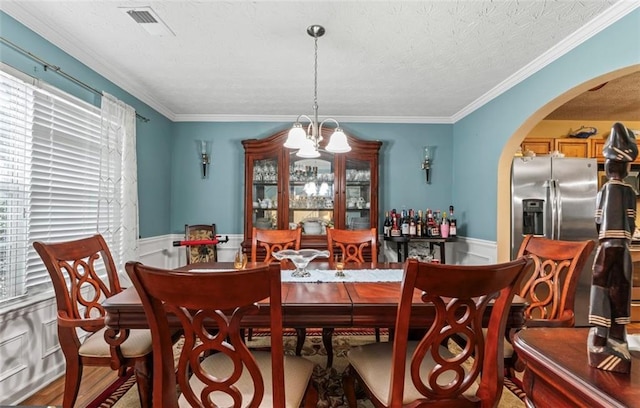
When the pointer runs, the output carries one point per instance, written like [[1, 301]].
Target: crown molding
[[602, 21], [291, 118]]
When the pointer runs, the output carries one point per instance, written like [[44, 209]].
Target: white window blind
[[49, 178]]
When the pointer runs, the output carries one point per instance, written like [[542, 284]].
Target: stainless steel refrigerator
[[556, 198]]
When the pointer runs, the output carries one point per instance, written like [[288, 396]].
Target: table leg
[[441, 245], [406, 250], [301, 334], [398, 251], [327, 335]]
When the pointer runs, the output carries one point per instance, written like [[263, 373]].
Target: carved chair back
[[551, 286], [74, 268], [351, 244], [266, 242]]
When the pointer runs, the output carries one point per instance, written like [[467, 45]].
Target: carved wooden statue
[[610, 302]]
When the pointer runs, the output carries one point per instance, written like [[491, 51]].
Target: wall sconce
[[427, 160], [204, 152]]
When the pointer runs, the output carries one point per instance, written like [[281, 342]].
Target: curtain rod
[[59, 71]]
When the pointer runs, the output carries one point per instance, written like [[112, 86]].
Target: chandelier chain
[[315, 76]]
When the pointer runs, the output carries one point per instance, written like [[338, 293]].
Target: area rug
[[115, 391], [327, 381]]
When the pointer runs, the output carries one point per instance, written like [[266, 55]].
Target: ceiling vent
[[148, 19]]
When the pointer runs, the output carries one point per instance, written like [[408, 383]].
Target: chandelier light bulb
[[296, 137], [308, 142], [338, 142]]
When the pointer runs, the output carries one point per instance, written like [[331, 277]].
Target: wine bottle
[[453, 225], [412, 224], [405, 223], [419, 224], [387, 224]]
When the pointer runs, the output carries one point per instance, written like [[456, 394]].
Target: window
[[50, 169]]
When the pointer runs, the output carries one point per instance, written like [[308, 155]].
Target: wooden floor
[[96, 379]]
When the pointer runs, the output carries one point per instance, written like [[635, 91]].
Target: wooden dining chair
[[201, 253], [77, 268], [550, 287], [215, 367], [264, 242], [410, 373], [349, 246]]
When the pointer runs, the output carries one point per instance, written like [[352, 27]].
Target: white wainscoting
[[30, 357]]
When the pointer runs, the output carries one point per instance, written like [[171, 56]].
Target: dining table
[[366, 297]]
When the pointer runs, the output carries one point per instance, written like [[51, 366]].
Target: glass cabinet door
[[358, 194], [265, 193], [311, 193]]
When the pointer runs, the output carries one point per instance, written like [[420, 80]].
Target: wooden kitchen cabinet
[[571, 147], [596, 149], [282, 190], [539, 146], [574, 147]]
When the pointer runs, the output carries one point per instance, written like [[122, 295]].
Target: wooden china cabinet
[[283, 191]]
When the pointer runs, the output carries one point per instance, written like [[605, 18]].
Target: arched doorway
[[503, 227]]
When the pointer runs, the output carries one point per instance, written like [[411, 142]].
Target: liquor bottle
[[429, 223], [395, 229], [444, 226], [419, 224], [387, 224], [425, 228], [435, 232], [453, 225], [412, 224], [405, 223]]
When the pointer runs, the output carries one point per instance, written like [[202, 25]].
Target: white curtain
[[118, 204]]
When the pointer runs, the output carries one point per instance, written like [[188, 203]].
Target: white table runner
[[324, 275], [351, 275]]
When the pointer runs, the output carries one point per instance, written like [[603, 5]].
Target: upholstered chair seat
[[136, 345], [297, 372], [374, 363]]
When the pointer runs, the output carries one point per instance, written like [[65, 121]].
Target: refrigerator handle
[[558, 207], [553, 201]]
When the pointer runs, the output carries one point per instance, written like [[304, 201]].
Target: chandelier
[[308, 141]]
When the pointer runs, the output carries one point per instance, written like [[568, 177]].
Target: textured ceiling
[[412, 61], [617, 100]]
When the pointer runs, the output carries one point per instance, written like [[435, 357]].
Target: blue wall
[[153, 138], [479, 137], [172, 193], [219, 199]]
